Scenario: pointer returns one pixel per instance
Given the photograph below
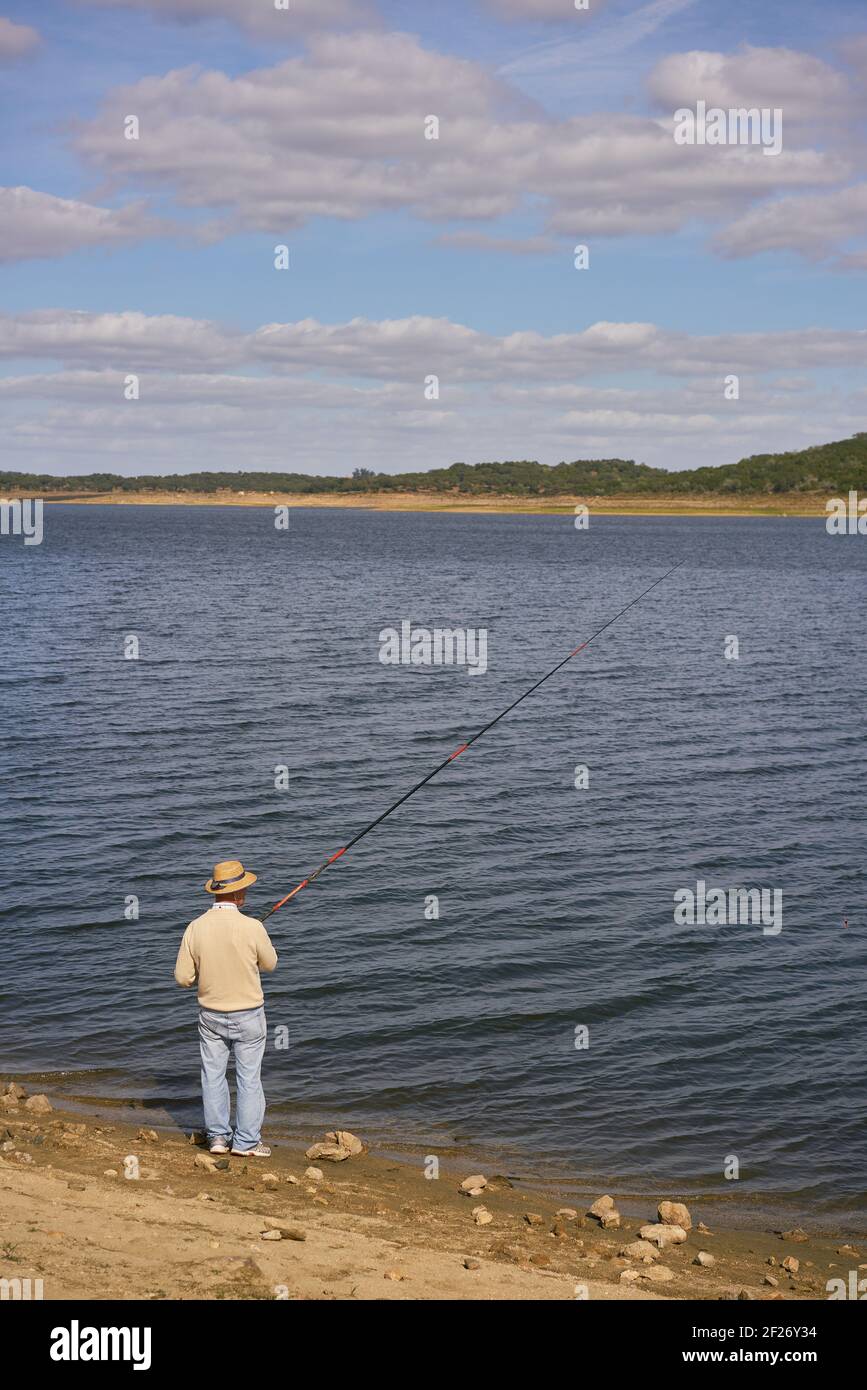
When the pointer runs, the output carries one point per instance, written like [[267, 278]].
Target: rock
[[470, 1264], [601, 1206], [640, 1250], [674, 1214], [284, 1230], [791, 1265], [150, 1136], [473, 1184], [533, 1218], [397, 1275], [848, 1250], [770, 1260], [14, 1090], [337, 1146], [703, 1229], [746, 1295], [109, 1172], [314, 1174], [662, 1235], [796, 1234], [540, 1259], [657, 1274], [482, 1216], [704, 1259], [559, 1231], [294, 1181], [197, 1137], [629, 1276], [38, 1105], [205, 1161], [270, 1235], [606, 1213], [769, 1279], [567, 1213], [7, 1146], [270, 1179]]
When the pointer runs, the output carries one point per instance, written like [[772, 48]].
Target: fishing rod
[[464, 746]]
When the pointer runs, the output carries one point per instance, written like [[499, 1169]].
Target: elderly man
[[223, 950]]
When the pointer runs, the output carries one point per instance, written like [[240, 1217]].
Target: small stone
[[791, 1265], [270, 1179], [567, 1213], [703, 1229], [674, 1214], [314, 1174], [704, 1259], [658, 1274], [38, 1105], [474, 1184], [205, 1161], [533, 1218], [294, 1181], [629, 1276], [150, 1136], [270, 1235], [540, 1259], [397, 1275], [662, 1235], [285, 1231], [769, 1279], [796, 1234], [482, 1216], [640, 1250], [601, 1206], [13, 1089], [770, 1260], [109, 1172], [470, 1264]]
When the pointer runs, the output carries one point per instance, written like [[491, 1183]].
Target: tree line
[[836, 467]]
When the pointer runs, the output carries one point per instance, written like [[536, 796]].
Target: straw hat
[[229, 877]]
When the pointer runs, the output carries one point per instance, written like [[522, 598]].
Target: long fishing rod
[[464, 746]]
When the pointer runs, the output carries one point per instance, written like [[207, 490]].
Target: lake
[[258, 722]]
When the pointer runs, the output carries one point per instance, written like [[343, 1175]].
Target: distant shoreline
[[780, 504]]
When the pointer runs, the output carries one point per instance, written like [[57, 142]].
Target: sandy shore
[[372, 1228], [780, 504]]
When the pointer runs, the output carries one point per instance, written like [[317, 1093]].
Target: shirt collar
[[233, 907]]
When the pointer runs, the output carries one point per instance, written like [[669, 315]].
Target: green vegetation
[[828, 468]]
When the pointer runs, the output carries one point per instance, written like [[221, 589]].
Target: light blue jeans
[[246, 1033]]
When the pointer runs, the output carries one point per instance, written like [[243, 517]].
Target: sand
[[375, 1228], [779, 504]]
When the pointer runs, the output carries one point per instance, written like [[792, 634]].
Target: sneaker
[[218, 1146], [260, 1151]]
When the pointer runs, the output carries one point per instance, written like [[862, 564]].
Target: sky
[[316, 235]]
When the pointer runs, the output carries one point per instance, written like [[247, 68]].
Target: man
[[224, 951]]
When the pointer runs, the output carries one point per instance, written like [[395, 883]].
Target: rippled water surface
[[259, 648]]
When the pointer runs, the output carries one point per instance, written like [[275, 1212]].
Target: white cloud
[[34, 225], [16, 40], [813, 226], [562, 11], [259, 17], [803, 86], [340, 133]]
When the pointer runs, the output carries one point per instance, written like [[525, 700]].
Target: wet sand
[[373, 1228]]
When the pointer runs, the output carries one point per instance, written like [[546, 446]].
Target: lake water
[[259, 649]]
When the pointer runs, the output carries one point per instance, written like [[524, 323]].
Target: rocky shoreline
[[100, 1209]]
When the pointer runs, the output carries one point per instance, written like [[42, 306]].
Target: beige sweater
[[224, 951]]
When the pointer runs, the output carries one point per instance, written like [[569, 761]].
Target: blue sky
[[156, 257]]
